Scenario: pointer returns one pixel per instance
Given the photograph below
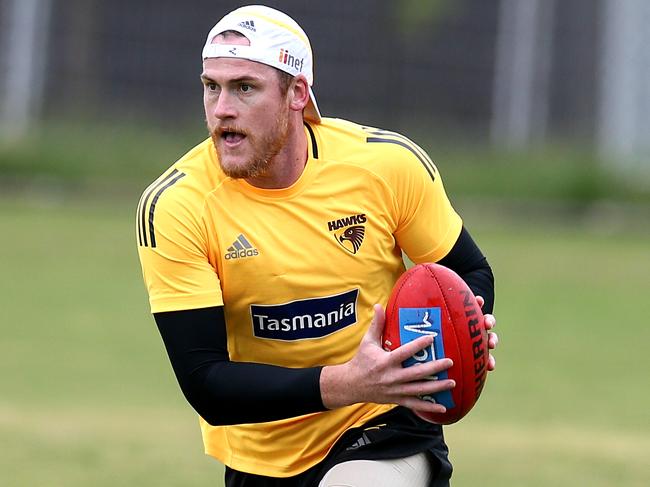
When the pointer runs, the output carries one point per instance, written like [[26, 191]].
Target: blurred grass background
[[88, 396]]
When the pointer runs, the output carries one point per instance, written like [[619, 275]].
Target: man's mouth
[[231, 137]]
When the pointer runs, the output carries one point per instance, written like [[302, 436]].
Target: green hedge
[[130, 155]]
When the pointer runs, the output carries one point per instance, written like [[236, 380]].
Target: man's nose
[[225, 106]]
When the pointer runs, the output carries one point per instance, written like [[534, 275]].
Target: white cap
[[275, 40]]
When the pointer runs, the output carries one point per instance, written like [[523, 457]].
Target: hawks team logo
[[349, 231]]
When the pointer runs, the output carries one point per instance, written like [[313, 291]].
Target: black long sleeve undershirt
[[227, 392], [467, 260]]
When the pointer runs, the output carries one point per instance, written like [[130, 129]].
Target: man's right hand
[[377, 376]]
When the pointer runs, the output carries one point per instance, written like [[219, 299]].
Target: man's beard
[[264, 148]]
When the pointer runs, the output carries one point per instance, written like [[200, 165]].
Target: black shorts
[[396, 434]]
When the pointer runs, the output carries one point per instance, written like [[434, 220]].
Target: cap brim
[[312, 113]]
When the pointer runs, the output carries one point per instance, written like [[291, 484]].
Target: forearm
[[226, 392], [335, 387], [235, 393]]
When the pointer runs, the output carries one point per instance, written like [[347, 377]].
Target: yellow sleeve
[[428, 226], [173, 248]]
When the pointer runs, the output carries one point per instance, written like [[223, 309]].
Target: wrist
[[334, 388]]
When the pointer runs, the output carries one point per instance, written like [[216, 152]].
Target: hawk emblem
[[352, 238]]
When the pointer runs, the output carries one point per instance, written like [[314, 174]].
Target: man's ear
[[298, 93]]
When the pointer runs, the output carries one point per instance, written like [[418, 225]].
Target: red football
[[430, 299]]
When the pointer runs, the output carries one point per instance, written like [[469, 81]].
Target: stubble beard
[[264, 150]]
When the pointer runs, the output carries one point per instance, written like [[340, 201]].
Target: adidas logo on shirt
[[241, 248]]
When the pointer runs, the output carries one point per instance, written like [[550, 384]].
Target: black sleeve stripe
[[153, 207], [407, 146], [160, 186], [137, 219], [312, 136], [416, 148], [142, 208], [403, 138], [142, 238]]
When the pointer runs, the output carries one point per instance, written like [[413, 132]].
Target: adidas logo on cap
[[248, 24], [241, 248]]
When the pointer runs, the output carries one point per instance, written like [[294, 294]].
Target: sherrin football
[[430, 299]]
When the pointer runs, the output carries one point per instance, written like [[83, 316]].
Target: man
[[265, 251]]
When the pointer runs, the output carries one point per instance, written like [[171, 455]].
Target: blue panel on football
[[414, 323]]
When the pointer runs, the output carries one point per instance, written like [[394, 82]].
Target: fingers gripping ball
[[432, 299]]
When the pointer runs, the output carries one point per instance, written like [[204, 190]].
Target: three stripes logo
[[388, 137], [248, 24], [241, 248], [147, 207], [362, 441]]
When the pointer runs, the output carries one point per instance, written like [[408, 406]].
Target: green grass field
[[88, 396]]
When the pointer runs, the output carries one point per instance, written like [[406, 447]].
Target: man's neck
[[287, 166]]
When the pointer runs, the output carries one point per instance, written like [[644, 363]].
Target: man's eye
[[211, 86], [245, 88]]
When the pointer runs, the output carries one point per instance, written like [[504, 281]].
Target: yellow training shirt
[[297, 269]]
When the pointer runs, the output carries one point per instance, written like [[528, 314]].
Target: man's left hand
[[493, 338]]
